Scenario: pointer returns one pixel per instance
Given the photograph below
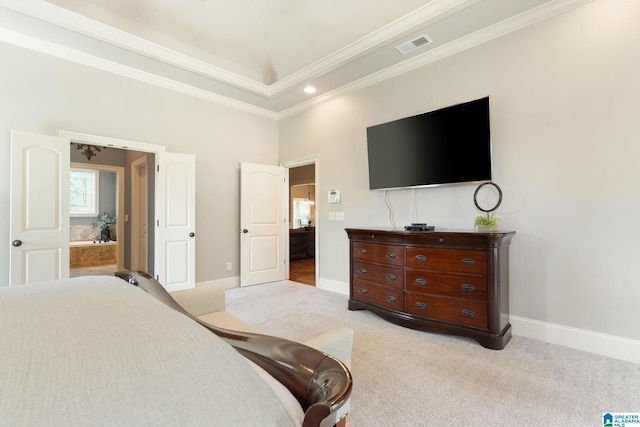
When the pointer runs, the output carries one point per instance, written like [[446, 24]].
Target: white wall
[[565, 97], [42, 94]]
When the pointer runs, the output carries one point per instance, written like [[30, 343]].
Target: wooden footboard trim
[[320, 382]]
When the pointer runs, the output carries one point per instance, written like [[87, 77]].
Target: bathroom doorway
[[96, 196], [117, 191]]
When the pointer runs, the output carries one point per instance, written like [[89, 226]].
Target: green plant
[[489, 219], [105, 221]]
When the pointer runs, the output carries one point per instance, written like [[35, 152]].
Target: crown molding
[[64, 18], [507, 26], [430, 12], [530, 17], [62, 52]]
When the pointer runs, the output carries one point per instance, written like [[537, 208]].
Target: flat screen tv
[[447, 146]]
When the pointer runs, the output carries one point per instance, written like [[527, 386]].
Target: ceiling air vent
[[411, 45]]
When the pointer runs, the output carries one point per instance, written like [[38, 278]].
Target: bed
[[105, 351]]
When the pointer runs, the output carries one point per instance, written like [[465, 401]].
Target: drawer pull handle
[[468, 313], [391, 255], [467, 287], [441, 239], [362, 251], [421, 258], [363, 291], [421, 282], [391, 277], [363, 271], [373, 236], [391, 299], [421, 305], [468, 261]]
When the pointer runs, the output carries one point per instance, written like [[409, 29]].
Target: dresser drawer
[[459, 286], [375, 236], [381, 274], [380, 253], [456, 310], [450, 260], [447, 240], [381, 295]]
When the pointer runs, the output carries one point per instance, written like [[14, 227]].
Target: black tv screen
[[446, 146]]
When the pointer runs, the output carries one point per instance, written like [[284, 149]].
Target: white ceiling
[[258, 55]]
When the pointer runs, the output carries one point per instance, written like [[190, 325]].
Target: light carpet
[[404, 377]]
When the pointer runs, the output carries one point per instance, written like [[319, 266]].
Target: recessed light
[[310, 89]]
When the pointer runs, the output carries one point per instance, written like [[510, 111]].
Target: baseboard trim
[[333, 286], [225, 283], [580, 339]]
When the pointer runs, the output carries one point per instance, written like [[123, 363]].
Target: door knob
[[244, 230], [192, 234], [17, 243]]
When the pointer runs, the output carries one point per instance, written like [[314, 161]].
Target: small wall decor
[[488, 222]]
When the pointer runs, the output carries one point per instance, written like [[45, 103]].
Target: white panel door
[[263, 224], [176, 220], [39, 218]]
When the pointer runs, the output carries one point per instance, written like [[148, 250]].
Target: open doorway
[[172, 244], [302, 224], [122, 193]]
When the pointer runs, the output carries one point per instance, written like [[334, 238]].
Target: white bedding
[[98, 351]]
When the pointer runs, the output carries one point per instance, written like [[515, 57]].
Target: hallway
[[303, 271]]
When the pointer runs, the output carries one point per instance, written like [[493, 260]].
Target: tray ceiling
[[259, 55]]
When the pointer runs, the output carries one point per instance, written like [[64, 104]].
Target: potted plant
[[487, 222], [105, 222]]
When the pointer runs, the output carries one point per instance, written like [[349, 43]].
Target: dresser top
[[437, 237], [436, 231]]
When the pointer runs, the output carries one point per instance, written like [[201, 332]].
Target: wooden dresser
[[437, 281], [302, 243]]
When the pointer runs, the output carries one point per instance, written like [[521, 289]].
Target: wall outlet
[[229, 266]]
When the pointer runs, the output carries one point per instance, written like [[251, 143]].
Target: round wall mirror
[[490, 196]]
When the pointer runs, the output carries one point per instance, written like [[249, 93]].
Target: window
[[83, 192], [301, 212]]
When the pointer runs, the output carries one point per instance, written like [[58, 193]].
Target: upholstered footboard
[[320, 382]]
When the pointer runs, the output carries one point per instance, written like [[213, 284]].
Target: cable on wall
[[414, 204], [390, 207]]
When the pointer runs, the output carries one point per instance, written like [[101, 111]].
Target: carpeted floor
[[407, 378]]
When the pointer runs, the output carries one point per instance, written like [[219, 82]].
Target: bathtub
[[86, 253]]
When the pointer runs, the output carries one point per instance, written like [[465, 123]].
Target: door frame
[[136, 214], [311, 160], [121, 144]]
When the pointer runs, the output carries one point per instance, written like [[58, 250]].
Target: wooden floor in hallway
[[303, 271]]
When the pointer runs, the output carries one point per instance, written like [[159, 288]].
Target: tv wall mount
[[475, 197]]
